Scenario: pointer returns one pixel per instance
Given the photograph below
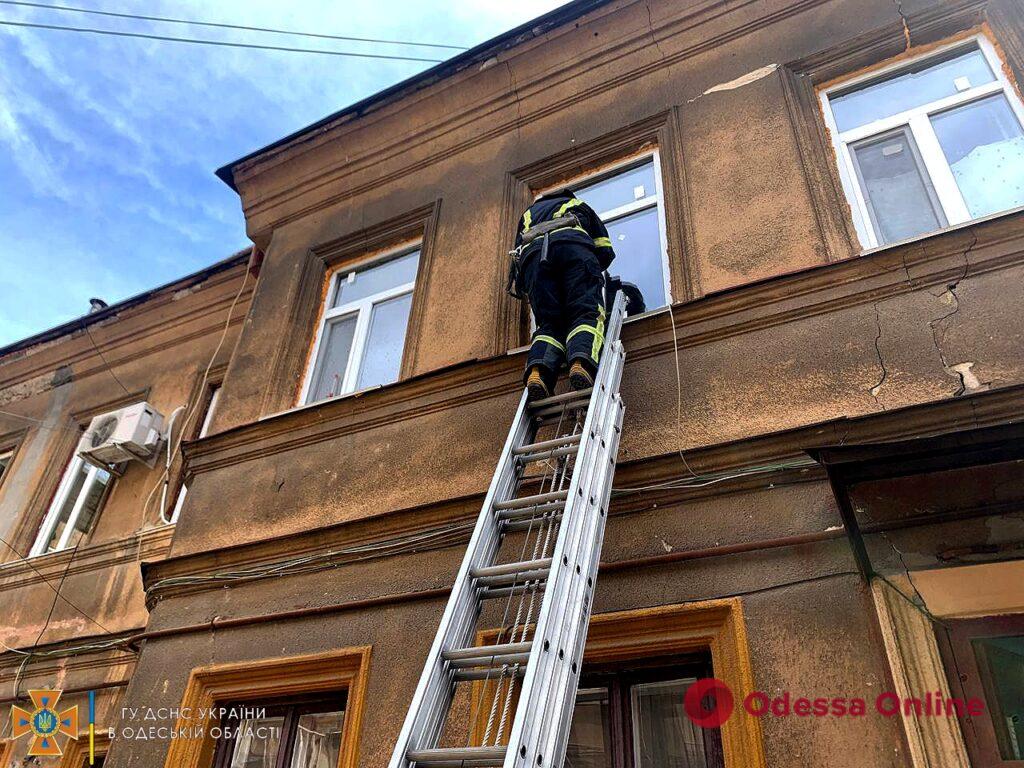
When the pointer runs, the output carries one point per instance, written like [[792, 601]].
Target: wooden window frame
[[291, 709], [936, 173], [345, 669], [619, 678], [967, 680], [672, 631], [76, 753]]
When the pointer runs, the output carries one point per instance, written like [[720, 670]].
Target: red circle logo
[[708, 702]]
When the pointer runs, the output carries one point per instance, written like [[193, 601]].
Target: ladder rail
[[544, 664], [548, 663], [434, 691], [554, 721]]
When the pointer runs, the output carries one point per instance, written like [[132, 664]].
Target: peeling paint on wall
[[743, 80]]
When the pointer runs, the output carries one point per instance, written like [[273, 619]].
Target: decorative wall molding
[[149, 322], [980, 410], [628, 47], [291, 356], [994, 244], [345, 669]]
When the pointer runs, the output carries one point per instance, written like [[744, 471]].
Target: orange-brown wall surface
[[786, 333]]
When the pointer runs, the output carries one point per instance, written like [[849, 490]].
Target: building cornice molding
[[151, 544], [990, 408], [503, 102], [957, 253], [144, 321]]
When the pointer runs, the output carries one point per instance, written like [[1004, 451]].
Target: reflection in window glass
[[663, 736], [899, 199], [384, 345], [1001, 661], [621, 189], [359, 284], [5, 461], [258, 743], [628, 203], [588, 733], [984, 146], [362, 334], [922, 83], [334, 353], [318, 740]]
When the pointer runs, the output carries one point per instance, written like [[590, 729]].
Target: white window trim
[[204, 430], [934, 160], [657, 199], [364, 309], [50, 521]]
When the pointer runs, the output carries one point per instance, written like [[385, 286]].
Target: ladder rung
[[565, 396], [469, 756], [544, 445], [491, 593], [530, 501], [510, 568], [486, 651], [552, 453], [491, 661], [536, 511], [489, 673], [525, 525], [510, 579]]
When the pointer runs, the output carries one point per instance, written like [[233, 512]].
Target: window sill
[[318, 403], [627, 321], [945, 230]]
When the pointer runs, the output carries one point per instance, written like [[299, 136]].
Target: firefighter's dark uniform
[[565, 285]]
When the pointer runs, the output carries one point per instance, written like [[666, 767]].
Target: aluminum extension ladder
[[541, 654]]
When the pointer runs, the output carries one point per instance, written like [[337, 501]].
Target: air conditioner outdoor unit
[[134, 432]]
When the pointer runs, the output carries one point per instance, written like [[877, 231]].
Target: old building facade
[[818, 489]]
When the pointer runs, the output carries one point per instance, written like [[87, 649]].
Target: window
[[629, 201], [299, 733], [934, 143], [635, 719], [984, 658], [5, 461], [361, 337], [74, 508], [204, 430]]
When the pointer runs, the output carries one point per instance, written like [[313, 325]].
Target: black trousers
[[566, 295]]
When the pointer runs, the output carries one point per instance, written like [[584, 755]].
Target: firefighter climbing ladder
[[568, 508]]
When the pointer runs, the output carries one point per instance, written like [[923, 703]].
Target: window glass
[[5, 461], [90, 506], [588, 733], [1001, 661], [318, 740], [258, 741], [333, 359], [362, 283], [636, 239], [621, 189], [984, 146], [386, 342], [81, 472], [922, 83], [897, 192], [663, 736]]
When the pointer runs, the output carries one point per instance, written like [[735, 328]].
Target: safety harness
[[529, 236]]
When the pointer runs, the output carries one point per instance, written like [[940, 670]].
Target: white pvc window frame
[[40, 547], [6, 458], [363, 310], [917, 121], [204, 430], [648, 201]]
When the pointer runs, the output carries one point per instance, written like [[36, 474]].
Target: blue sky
[[108, 145]]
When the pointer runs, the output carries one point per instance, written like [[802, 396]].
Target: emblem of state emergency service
[[44, 722]]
